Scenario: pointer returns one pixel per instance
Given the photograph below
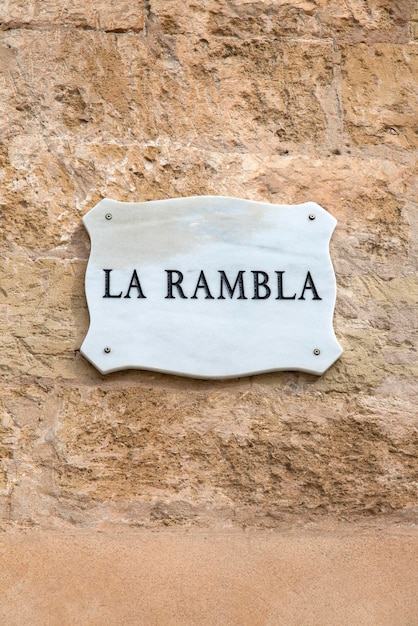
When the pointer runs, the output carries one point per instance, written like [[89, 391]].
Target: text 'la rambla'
[[260, 285]]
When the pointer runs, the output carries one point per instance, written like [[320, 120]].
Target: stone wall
[[275, 101]]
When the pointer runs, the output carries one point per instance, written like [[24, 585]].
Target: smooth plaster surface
[[342, 577]]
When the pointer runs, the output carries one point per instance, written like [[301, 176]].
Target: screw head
[[108, 216], [107, 350], [312, 216], [317, 351]]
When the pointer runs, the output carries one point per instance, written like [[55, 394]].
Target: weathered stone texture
[[85, 14], [354, 21], [255, 456], [380, 94], [273, 101]]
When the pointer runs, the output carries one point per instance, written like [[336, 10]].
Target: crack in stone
[[54, 27]]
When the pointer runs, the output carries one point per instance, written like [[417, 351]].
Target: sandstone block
[[379, 93], [103, 15], [148, 456], [224, 93], [352, 22]]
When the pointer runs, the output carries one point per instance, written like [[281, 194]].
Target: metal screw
[[108, 216], [107, 349], [317, 351], [312, 216]]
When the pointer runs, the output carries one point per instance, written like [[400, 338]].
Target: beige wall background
[[269, 100]]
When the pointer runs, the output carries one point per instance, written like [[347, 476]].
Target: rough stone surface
[[273, 101]]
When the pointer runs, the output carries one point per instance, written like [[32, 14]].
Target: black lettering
[[258, 284], [309, 284], [176, 283], [280, 295], [239, 281], [135, 283], [107, 293], [202, 284]]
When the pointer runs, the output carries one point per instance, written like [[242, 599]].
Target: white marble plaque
[[210, 287]]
